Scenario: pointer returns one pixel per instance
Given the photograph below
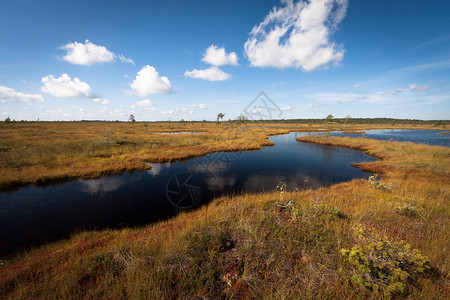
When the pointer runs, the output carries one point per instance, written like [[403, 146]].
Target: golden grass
[[261, 245], [397, 157], [40, 152]]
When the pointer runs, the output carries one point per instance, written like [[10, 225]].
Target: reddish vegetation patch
[[54, 261]]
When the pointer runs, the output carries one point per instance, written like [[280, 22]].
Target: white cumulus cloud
[[203, 106], [417, 88], [149, 82], [88, 54], [297, 35], [8, 94], [355, 86], [218, 57], [211, 74], [144, 103], [65, 87], [286, 108], [102, 101], [186, 110]]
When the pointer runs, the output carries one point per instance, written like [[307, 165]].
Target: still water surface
[[34, 215], [429, 137]]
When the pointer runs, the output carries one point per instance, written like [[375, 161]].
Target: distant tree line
[[329, 119]]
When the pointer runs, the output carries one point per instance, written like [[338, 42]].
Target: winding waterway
[[34, 215]]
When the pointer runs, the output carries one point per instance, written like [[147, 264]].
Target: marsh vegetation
[[382, 237], [42, 152]]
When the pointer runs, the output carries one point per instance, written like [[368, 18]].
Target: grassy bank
[[375, 238], [41, 152]]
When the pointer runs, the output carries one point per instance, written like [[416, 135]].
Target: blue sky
[[160, 60]]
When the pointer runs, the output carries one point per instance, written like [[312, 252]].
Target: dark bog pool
[[429, 137], [34, 215]]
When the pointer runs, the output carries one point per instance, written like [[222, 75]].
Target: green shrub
[[281, 188], [375, 181], [404, 207], [385, 266]]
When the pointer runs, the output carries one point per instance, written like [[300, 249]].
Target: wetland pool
[[33, 215]]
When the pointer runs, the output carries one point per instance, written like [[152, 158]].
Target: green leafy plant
[[375, 181], [385, 266], [404, 207], [281, 188]]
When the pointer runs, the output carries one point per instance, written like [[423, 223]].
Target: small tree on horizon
[[220, 116], [132, 119], [241, 120], [348, 119]]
